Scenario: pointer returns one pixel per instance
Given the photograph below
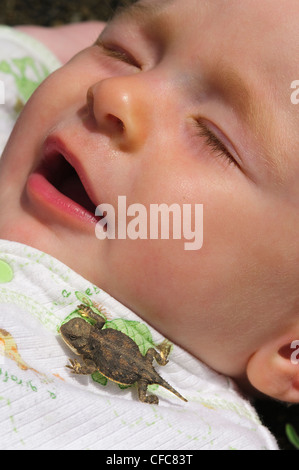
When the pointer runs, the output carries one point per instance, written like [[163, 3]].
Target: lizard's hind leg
[[143, 397]]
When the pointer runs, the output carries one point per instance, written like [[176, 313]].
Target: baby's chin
[[24, 234]]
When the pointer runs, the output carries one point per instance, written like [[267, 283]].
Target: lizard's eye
[[72, 337]]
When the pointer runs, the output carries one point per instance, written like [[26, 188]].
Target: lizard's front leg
[[87, 368], [161, 356], [88, 313]]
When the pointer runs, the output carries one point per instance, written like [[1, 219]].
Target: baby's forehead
[[248, 44], [233, 43], [238, 25]]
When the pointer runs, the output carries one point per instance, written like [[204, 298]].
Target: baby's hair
[[120, 3], [116, 4]]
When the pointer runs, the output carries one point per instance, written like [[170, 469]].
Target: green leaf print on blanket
[[26, 73], [6, 273], [136, 330]]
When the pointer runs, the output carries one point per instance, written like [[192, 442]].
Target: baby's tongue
[[74, 189]]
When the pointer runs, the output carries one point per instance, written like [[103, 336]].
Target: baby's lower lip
[[43, 194]]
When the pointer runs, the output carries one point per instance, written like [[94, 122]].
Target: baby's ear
[[274, 368]]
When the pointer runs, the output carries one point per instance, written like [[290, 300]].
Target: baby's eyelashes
[[118, 53]]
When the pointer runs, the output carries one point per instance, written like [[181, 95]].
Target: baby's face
[[185, 103]]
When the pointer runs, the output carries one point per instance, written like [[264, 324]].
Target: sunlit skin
[[127, 111]]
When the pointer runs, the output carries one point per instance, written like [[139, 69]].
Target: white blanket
[[44, 406], [24, 64]]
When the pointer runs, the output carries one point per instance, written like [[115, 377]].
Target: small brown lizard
[[114, 354]]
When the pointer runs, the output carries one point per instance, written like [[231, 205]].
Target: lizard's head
[[76, 334]]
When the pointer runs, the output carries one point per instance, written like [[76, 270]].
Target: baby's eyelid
[[118, 52], [223, 139]]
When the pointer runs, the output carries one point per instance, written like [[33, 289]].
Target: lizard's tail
[[166, 385]]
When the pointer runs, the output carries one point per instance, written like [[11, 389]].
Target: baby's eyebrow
[[237, 91], [259, 113], [139, 11], [233, 86]]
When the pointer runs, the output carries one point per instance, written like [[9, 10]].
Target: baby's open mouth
[[65, 179], [62, 186]]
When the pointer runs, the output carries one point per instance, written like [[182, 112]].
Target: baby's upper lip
[[55, 146]]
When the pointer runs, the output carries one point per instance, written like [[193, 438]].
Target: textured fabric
[[24, 64], [44, 406]]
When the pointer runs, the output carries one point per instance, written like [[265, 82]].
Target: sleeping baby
[[181, 104]]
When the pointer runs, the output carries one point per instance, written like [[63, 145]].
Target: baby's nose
[[117, 104]]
